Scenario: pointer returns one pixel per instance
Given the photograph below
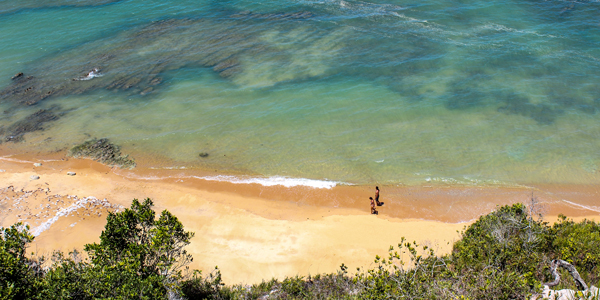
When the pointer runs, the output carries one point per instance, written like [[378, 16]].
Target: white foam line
[[579, 205], [275, 180], [66, 211], [6, 158], [265, 181]]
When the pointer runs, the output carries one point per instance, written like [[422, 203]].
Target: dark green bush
[[503, 253], [18, 274], [578, 244]]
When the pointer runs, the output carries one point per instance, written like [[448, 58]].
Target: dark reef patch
[[15, 6], [103, 151], [542, 113], [31, 123], [134, 60]]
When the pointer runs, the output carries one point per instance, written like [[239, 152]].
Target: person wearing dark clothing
[[377, 196]]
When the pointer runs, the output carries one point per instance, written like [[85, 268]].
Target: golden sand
[[252, 232]]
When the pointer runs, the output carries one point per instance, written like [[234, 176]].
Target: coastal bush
[[502, 255], [139, 257], [210, 287], [18, 274], [135, 246], [579, 245]]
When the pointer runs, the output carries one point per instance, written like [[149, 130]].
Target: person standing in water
[[377, 196], [373, 210]]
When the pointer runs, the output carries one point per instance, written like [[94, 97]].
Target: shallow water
[[386, 92]]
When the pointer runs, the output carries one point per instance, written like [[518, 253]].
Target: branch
[[561, 263]]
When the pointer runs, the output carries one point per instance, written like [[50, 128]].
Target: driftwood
[[561, 263], [567, 294]]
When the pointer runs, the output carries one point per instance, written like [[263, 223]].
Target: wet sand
[[252, 232]]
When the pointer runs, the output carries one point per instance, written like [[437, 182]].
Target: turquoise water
[[387, 92]]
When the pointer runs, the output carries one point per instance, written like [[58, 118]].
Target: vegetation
[[503, 255]]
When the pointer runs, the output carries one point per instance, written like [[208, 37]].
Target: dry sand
[[249, 231]]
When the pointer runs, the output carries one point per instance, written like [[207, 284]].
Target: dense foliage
[[503, 255]]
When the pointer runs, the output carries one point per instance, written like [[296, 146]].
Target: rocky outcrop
[[103, 151]]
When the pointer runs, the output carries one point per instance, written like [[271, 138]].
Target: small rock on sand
[[34, 177], [71, 173], [37, 164]]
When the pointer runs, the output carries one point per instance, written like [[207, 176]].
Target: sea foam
[[79, 203], [275, 180]]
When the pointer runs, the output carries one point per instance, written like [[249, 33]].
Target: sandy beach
[[252, 232]]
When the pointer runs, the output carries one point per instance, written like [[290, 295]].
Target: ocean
[[316, 93]]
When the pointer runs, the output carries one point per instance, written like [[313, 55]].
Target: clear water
[[387, 92]]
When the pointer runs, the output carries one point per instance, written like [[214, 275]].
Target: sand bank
[[252, 232]]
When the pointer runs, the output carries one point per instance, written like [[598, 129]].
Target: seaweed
[[103, 151]]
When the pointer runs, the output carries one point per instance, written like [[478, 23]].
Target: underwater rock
[[273, 16], [203, 154], [17, 75], [31, 123], [541, 113], [248, 51], [103, 151], [95, 72], [14, 6]]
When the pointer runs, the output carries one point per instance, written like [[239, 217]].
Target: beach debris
[[34, 177], [31, 123], [103, 151], [567, 294], [572, 271], [203, 154], [1, 171], [71, 173], [37, 164], [17, 75]]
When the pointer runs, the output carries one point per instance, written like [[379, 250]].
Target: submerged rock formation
[[103, 151], [246, 50], [34, 122], [13, 6]]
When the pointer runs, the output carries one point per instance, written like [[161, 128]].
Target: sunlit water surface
[[387, 92]]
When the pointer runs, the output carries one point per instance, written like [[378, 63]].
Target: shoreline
[[254, 232]]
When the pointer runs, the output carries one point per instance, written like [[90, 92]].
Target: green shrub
[[578, 244], [18, 274], [503, 253]]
